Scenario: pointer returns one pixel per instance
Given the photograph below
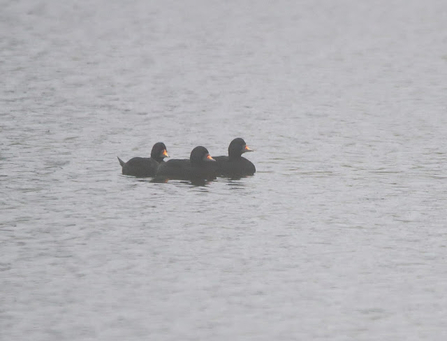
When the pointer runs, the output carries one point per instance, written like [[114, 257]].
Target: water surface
[[340, 235]]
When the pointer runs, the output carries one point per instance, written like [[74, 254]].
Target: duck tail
[[122, 163]]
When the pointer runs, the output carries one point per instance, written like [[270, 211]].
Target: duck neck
[[157, 158], [234, 156]]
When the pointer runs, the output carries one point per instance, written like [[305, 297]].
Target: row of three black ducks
[[201, 165]]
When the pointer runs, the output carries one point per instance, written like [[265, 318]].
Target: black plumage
[[235, 165], [200, 165], [145, 166]]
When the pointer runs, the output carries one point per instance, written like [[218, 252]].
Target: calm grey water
[[340, 235]]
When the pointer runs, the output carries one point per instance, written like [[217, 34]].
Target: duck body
[[199, 166], [141, 167], [145, 166], [235, 165]]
